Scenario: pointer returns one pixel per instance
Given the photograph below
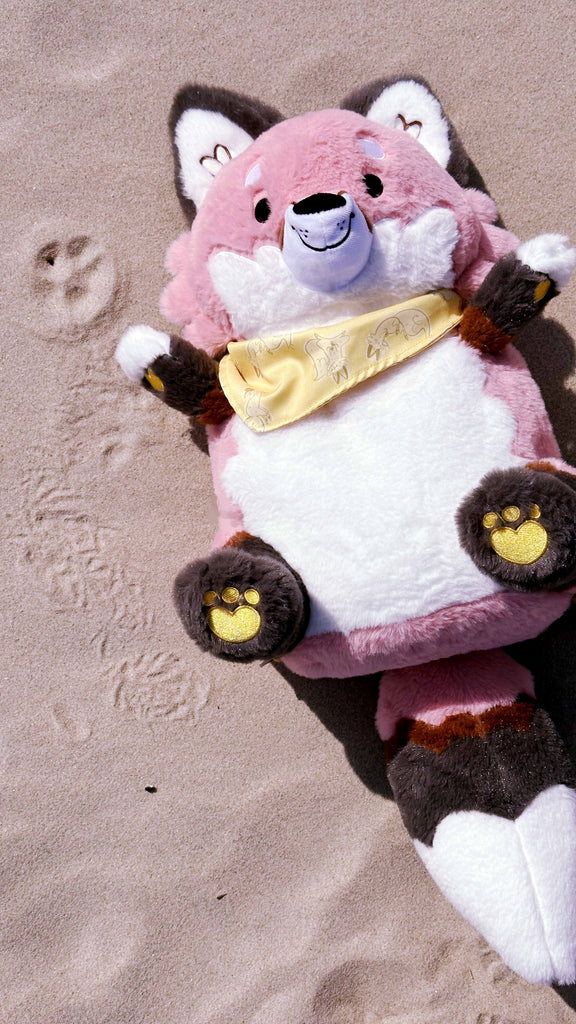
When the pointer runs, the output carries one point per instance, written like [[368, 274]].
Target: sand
[[184, 841]]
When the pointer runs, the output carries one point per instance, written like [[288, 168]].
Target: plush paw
[[523, 540], [232, 615], [515, 291], [138, 348], [243, 603], [551, 255], [519, 527], [184, 377]]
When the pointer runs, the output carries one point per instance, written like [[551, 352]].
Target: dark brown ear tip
[[184, 98], [360, 101], [249, 114]]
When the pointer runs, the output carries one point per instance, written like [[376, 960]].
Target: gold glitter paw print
[[232, 615], [523, 540]]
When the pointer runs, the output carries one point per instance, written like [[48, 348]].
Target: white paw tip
[[549, 254], [138, 347]]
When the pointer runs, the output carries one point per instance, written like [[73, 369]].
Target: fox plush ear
[[209, 127], [409, 105]]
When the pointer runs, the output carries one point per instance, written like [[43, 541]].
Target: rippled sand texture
[[185, 842]]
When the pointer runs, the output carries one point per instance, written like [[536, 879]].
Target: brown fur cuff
[[478, 330], [215, 407], [237, 539], [462, 726]]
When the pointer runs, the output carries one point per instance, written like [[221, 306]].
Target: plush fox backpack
[[390, 491]]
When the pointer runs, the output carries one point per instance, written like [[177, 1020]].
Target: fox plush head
[[320, 213], [390, 491]]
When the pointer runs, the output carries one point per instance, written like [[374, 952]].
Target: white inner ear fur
[[203, 138], [413, 101]]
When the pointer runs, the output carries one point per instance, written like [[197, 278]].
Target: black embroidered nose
[[318, 203]]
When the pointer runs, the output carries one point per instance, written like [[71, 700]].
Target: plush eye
[[262, 210], [374, 186]]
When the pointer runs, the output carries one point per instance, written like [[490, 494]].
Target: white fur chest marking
[[360, 497]]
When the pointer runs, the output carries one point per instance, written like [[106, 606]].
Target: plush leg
[[486, 791], [519, 527], [243, 603]]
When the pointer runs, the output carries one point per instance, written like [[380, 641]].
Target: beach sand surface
[[185, 841]]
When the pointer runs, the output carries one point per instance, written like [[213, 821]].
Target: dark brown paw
[[243, 603], [513, 293], [519, 527], [186, 379]]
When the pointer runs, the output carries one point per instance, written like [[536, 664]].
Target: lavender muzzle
[[327, 241]]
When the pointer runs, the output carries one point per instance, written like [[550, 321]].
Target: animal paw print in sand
[[75, 283], [232, 615], [522, 544]]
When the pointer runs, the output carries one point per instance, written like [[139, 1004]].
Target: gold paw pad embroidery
[[238, 624], [153, 380], [542, 289], [523, 544]]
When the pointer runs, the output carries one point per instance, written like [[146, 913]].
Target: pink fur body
[[322, 152], [373, 499]]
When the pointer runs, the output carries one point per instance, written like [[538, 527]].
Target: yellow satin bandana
[[271, 382]]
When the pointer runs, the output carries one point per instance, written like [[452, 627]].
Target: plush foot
[[243, 603], [519, 527]]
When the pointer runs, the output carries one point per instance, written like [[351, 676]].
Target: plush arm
[[184, 377], [517, 288]]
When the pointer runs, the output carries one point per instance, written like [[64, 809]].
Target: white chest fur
[[360, 497]]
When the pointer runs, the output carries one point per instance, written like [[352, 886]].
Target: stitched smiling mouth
[[327, 240], [323, 248]]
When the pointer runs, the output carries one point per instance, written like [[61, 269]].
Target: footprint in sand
[[71, 723], [76, 559], [74, 280], [157, 687]]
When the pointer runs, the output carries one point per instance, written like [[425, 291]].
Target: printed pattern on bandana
[[271, 382]]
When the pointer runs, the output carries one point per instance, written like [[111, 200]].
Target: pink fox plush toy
[[390, 491]]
